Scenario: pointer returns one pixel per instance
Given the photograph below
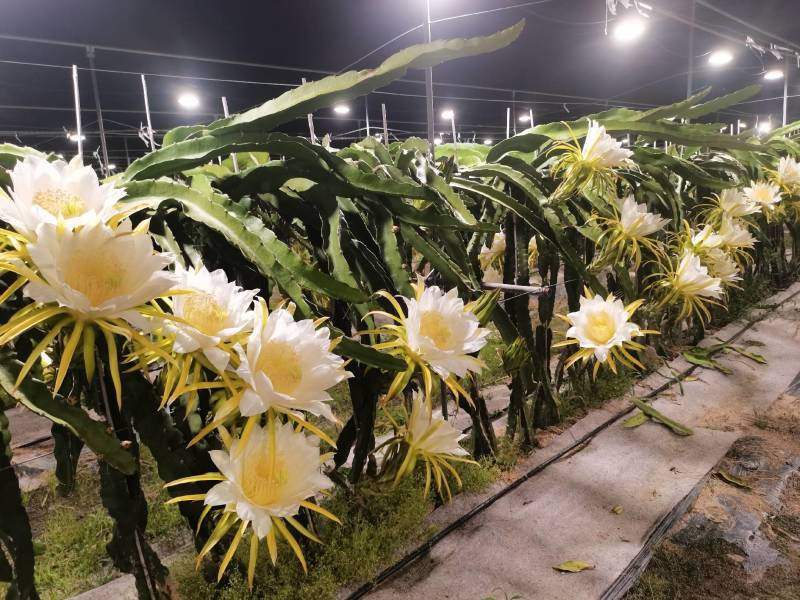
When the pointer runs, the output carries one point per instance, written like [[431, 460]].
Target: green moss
[[375, 526], [72, 532]]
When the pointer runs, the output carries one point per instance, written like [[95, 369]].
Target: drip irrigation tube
[[424, 548]]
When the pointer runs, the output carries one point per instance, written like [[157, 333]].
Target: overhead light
[[773, 73], [719, 58], [488, 141], [111, 166], [437, 141], [73, 137], [341, 109], [448, 114], [188, 100], [629, 30], [765, 126], [525, 118], [742, 124]]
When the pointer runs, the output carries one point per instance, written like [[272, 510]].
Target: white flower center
[[264, 476], [205, 313], [433, 326], [600, 327], [97, 276], [60, 203], [281, 363]]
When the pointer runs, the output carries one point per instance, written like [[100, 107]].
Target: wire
[[491, 10], [381, 47], [732, 17]]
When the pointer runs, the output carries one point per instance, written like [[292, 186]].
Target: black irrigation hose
[[426, 546]]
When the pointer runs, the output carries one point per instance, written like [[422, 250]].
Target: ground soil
[[737, 542]]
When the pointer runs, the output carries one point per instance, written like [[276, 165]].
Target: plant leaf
[[574, 566], [651, 412]]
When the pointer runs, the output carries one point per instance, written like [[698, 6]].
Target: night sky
[[563, 51]]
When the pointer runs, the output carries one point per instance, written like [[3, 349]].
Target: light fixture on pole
[[524, 118], [765, 126], [74, 137], [739, 126], [774, 72], [719, 58], [629, 29], [488, 141], [188, 100], [341, 109]]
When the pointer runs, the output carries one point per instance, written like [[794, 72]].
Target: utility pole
[[690, 70], [96, 92], [429, 79]]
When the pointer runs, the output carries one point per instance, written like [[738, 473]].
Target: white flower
[[635, 221], [722, 266], [706, 239], [601, 324], [428, 433], [288, 366], [692, 278], [602, 150], [268, 477], [765, 195], [735, 204], [735, 235], [45, 192], [213, 311], [788, 172], [97, 271], [442, 333]]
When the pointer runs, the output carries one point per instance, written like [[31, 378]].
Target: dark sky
[[563, 51]]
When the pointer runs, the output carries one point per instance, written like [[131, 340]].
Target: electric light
[[73, 137], [111, 166], [773, 74], [448, 114], [437, 141], [629, 30], [742, 124], [525, 118], [341, 109], [488, 141], [719, 58], [188, 100], [765, 126]]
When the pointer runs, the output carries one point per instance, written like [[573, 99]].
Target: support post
[[147, 114], [310, 123], [100, 125], [429, 79], [227, 114], [785, 89], [366, 114], [385, 125], [508, 122], [77, 96], [690, 65]]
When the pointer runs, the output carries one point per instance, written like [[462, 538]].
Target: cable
[[491, 10], [381, 47], [732, 17]]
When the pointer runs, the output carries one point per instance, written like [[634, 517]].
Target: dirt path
[[565, 512]]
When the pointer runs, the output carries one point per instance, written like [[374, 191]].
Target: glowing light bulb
[[773, 74], [448, 114], [341, 109], [629, 30], [188, 100], [719, 58]]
